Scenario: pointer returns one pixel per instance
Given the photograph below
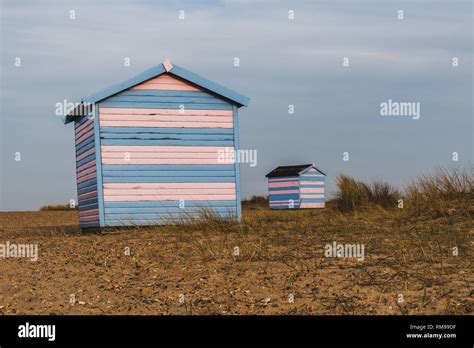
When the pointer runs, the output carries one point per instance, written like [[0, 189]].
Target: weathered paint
[[305, 190], [283, 193], [158, 146], [161, 147], [86, 175], [312, 189]]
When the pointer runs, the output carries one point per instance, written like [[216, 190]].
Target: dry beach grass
[[410, 266]]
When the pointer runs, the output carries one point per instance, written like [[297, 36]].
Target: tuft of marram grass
[[442, 191], [353, 194], [57, 207]]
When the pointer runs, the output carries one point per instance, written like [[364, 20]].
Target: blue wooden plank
[[88, 201], [293, 196], [163, 215], [85, 160], [237, 164], [88, 207], [84, 143], [170, 173], [125, 142], [155, 130], [171, 167], [187, 106], [87, 189], [312, 200], [176, 204], [98, 163], [166, 99], [87, 183], [212, 86], [84, 149], [312, 178], [132, 179], [276, 189], [89, 224], [184, 137], [161, 210]]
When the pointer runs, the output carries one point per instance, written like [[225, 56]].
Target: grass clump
[[353, 194], [57, 207], [442, 191]]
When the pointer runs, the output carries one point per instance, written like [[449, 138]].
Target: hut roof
[[163, 68], [291, 170]]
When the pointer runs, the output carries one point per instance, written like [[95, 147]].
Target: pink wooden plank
[[86, 135], [88, 195], [86, 171], [167, 82], [306, 183], [157, 155], [166, 124], [175, 149], [282, 184], [84, 130], [87, 177], [89, 218], [93, 212], [170, 185], [166, 87], [142, 192], [283, 192], [165, 161], [312, 205], [312, 190], [199, 197], [85, 154], [175, 112], [84, 125], [312, 195], [85, 166], [166, 118]]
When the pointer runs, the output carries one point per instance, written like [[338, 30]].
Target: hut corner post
[[238, 201], [98, 161]]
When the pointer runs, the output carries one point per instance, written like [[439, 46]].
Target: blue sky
[[282, 62]]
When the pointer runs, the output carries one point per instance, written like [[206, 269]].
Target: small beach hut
[[150, 149], [296, 187]]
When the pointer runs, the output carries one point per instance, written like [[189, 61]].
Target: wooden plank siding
[[86, 173], [161, 142], [283, 192], [311, 184]]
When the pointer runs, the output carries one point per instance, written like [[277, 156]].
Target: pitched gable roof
[[165, 67], [291, 170]]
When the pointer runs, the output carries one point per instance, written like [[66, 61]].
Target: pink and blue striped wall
[[297, 192], [86, 173], [159, 152]]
